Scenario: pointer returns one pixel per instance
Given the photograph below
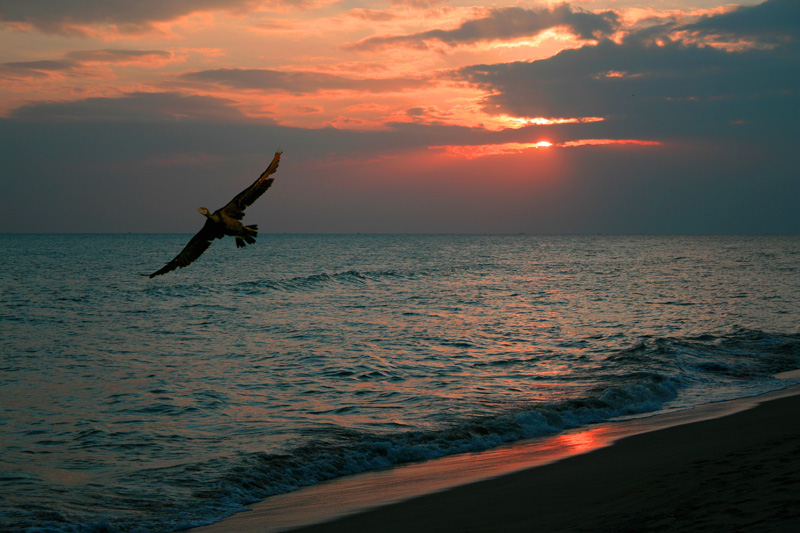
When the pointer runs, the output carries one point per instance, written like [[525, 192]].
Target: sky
[[402, 116]]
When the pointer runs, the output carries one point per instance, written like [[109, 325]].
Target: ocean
[[137, 404]]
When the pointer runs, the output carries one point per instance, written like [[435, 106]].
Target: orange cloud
[[299, 82], [79, 74], [519, 122], [78, 61], [482, 150], [616, 74], [474, 151], [143, 58]]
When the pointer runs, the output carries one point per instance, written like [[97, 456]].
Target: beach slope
[[736, 473]]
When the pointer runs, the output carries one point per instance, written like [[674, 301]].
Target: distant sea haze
[[157, 404]]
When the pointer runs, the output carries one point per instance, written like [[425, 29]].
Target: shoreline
[[432, 495]]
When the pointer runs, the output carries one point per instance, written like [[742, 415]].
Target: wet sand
[[739, 472]]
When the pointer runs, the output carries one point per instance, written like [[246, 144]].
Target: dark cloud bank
[[505, 23]]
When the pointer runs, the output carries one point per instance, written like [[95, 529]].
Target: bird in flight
[[225, 221]]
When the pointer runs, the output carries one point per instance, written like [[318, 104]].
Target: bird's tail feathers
[[248, 238]]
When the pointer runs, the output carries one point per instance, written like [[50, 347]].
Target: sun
[[544, 144]]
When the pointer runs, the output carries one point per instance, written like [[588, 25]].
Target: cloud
[[472, 151], [504, 24], [372, 15], [115, 56], [79, 58], [36, 67], [135, 107], [158, 109], [653, 85], [79, 63], [416, 3], [299, 82], [771, 21], [66, 17]]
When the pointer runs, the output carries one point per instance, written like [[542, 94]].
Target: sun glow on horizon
[[481, 150]]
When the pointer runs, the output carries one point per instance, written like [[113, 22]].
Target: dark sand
[[736, 473]]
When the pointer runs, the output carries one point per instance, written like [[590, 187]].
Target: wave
[[310, 282], [746, 357], [318, 281], [654, 372], [341, 452], [743, 354], [349, 452]]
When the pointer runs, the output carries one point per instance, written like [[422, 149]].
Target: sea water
[[137, 404]]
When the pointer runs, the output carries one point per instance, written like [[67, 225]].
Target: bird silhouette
[[225, 221]]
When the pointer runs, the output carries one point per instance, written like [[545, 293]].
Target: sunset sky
[[537, 116]]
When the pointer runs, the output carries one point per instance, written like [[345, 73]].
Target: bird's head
[[204, 211]]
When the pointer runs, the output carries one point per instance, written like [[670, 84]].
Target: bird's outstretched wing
[[194, 249], [235, 208]]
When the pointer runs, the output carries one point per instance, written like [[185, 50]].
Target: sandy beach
[[739, 472]]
